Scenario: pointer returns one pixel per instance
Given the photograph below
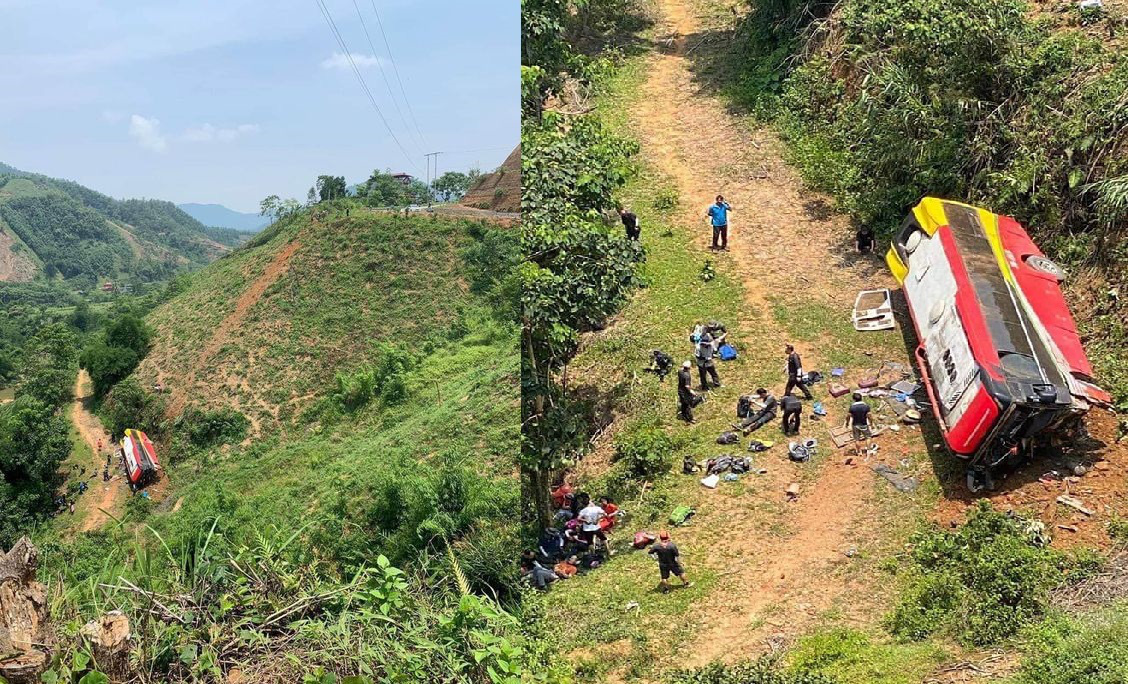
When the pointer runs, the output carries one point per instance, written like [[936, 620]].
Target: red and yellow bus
[[998, 349], [140, 458]]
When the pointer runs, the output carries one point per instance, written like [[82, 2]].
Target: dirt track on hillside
[[102, 497], [247, 300], [786, 243], [782, 240]]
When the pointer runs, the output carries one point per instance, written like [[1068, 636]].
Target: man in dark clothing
[[686, 396], [705, 367], [765, 415], [795, 373], [861, 424], [718, 216], [667, 554], [863, 240], [630, 222], [792, 412]]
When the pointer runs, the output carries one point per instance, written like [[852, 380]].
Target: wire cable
[[384, 75], [360, 77], [395, 69]]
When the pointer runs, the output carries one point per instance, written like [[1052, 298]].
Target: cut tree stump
[[26, 638], [109, 641]]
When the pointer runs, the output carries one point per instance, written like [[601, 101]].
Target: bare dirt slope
[[500, 190], [14, 266]]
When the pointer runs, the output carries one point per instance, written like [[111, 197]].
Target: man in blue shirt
[[718, 214]]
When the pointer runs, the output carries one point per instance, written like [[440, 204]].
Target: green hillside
[[58, 229], [374, 357], [264, 330]]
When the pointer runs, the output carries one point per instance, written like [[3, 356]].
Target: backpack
[[681, 515], [727, 352], [744, 406], [643, 539], [728, 438]]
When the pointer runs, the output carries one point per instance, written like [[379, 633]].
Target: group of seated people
[[577, 539]]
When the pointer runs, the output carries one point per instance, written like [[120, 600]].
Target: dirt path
[[273, 271], [102, 497], [783, 241]]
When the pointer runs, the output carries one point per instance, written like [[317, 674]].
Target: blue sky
[[228, 101]]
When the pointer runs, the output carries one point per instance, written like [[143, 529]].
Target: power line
[[341, 41], [396, 70], [383, 74]]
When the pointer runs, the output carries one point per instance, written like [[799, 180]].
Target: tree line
[[380, 189]]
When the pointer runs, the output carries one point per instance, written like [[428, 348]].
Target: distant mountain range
[[221, 216], [53, 229]]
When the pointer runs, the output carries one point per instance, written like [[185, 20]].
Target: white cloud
[[147, 132], [210, 133], [340, 60]]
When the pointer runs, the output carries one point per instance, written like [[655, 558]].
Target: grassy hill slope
[[264, 330], [325, 487], [57, 228]]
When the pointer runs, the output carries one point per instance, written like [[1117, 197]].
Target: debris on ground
[[792, 491], [902, 483], [1074, 503], [873, 311], [681, 515]]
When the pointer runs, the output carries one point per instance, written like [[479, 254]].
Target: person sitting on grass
[[763, 416], [861, 424], [537, 575]]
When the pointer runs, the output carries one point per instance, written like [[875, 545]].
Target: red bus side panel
[[1044, 294], [967, 435]]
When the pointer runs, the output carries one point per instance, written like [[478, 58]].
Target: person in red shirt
[[611, 512]]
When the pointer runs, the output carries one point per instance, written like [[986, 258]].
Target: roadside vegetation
[[368, 534]]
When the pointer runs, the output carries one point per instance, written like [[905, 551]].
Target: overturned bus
[[998, 349], [140, 459]]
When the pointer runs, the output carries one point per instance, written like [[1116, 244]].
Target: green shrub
[[107, 365], [982, 582], [666, 199], [128, 405], [209, 428], [645, 449], [764, 670], [1089, 650]]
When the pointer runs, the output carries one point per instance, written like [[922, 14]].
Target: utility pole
[[435, 155]]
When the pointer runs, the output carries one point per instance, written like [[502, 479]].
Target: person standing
[[861, 424], [630, 222], [669, 562], [718, 216], [686, 395], [590, 517], [792, 412], [795, 373], [706, 368]]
